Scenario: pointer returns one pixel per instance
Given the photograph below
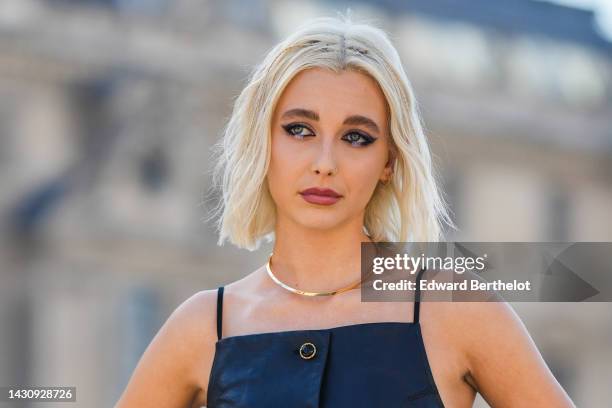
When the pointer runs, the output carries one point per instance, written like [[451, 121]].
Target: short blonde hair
[[409, 208]]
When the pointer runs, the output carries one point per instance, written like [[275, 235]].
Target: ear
[[392, 157], [388, 170]]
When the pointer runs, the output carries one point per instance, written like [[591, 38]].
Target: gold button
[[308, 351]]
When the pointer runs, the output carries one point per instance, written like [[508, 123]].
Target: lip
[[323, 196]]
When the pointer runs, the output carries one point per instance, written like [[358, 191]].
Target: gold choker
[[303, 292]]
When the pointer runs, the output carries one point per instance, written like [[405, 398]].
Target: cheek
[[363, 177], [284, 165]]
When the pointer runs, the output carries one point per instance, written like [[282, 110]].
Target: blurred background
[[108, 110]]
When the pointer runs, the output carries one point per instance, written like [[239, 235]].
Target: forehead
[[334, 95]]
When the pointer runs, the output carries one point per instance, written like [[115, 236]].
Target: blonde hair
[[409, 208]]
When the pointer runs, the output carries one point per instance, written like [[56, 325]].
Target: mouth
[[321, 196]]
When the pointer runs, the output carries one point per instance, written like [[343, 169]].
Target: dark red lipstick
[[322, 196]]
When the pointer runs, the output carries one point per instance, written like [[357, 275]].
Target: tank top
[[380, 364]]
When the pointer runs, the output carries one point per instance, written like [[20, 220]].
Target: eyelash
[[367, 138]]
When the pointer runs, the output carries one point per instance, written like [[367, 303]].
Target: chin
[[320, 221]]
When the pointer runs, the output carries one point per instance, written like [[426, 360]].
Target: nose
[[324, 162]]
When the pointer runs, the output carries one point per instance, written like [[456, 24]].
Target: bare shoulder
[[197, 313], [471, 325], [493, 352], [472, 317], [170, 371]]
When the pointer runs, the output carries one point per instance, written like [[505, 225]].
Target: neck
[[317, 260]]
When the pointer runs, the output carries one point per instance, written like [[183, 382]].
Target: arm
[[504, 363], [166, 374]]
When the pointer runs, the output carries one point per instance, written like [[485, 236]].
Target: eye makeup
[[348, 137], [367, 139], [290, 128]]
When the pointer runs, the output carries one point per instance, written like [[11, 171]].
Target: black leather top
[[380, 364]]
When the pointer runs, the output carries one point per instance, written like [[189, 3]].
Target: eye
[[359, 139], [296, 130]]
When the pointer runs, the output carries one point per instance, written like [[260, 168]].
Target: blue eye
[[296, 130], [355, 138], [359, 139]]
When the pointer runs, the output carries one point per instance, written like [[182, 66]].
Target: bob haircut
[[409, 208]]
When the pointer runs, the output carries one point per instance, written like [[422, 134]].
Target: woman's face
[[329, 131]]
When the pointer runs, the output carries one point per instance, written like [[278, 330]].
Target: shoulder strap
[[219, 311], [417, 296]]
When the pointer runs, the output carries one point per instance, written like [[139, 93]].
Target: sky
[[602, 9]]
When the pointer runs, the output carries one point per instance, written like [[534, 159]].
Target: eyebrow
[[354, 120]]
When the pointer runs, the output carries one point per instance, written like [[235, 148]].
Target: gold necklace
[[303, 292]]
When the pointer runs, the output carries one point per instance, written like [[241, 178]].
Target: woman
[[325, 150]]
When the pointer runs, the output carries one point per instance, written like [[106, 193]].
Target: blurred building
[[108, 110]]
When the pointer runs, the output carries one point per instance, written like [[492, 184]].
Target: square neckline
[[330, 329], [413, 323], [408, 325]]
